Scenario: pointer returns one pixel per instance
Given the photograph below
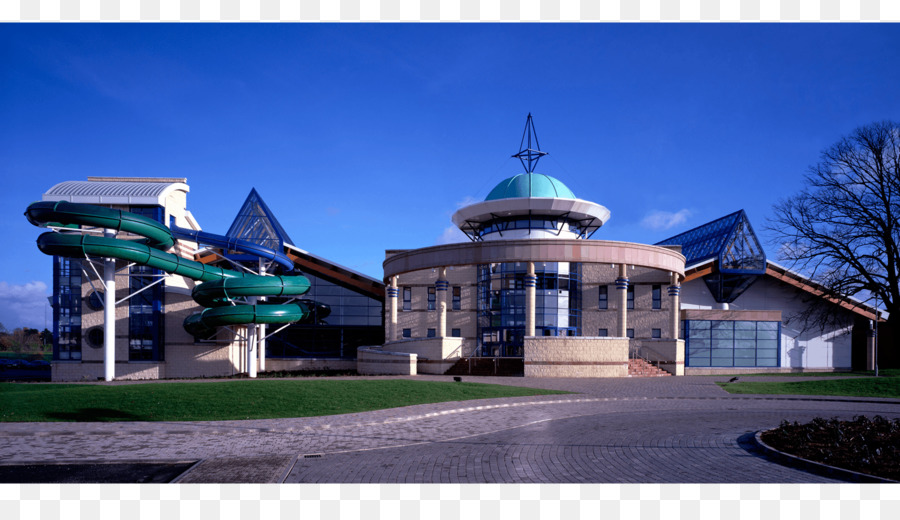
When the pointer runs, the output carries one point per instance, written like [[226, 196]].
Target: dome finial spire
[[526, 152]]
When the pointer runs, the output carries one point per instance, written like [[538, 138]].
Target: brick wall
[[576, 357]]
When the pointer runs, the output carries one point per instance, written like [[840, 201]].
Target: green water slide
[[221, 289]]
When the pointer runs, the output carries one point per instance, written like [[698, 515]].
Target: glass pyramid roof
[[729, 239], [256, 223]]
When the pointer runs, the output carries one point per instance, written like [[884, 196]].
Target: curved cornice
[[536, 250]]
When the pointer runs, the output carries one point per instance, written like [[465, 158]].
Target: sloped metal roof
[[112, 190]]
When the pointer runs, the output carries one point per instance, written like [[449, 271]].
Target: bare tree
[[842, 229]]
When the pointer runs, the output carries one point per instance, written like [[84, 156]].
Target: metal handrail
[[634, 352], [495, 359]]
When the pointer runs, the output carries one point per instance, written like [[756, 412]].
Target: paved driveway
[[683, 429]]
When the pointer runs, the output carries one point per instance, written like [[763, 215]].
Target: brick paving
[[673, 429]]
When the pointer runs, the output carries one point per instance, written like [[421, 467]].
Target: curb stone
[[818, 468]]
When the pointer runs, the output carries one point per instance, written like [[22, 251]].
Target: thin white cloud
[[451, 235], [662, 220], [468, 200], [25, 305]]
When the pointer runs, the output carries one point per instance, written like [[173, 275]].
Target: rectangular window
[[629, 333], [431, 333], [656, 333], [657, 297], [604, 297], [407, 298], [431, 298], [455, 333], [407, 333], [457, 298], [630, 297], [603, 333]]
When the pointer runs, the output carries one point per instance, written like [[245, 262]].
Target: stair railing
[[634, 352]]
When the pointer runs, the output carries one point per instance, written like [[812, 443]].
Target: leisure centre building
[[531, 293]]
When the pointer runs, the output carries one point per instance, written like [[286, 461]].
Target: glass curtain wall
[[720, 343], [66, 309], [501, 305], [355, 321], [145, 308]]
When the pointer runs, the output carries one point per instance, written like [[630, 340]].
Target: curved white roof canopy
[[117, 190], [590, 216]]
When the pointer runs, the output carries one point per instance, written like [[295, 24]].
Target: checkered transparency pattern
[[449, 501], [449, 10]]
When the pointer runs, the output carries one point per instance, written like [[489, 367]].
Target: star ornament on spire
[[526, 152]]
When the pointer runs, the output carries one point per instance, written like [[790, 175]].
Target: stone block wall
[[435, 355], [576, 357], [374, 361], [287, 364]]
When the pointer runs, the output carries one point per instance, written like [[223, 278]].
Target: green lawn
[[216, 401], [884, 386]]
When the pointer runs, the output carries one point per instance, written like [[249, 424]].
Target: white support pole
[[109, 314], [251, 350], [261, 329], [251, 345]]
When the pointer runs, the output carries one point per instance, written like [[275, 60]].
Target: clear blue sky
[[363, 138]]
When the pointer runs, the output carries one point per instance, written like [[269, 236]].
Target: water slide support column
[[261, 328], [262, 342], [251, 345], [109, 314]]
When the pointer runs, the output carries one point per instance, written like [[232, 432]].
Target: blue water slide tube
[[232, 244]]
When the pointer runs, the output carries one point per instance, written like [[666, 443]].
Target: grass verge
[[885, 386], [231, 400]]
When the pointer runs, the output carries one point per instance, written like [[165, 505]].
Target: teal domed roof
[[530, 185]]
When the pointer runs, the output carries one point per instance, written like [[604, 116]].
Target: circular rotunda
[[532, 285]]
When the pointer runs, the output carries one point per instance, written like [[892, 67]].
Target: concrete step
[[640, 368]]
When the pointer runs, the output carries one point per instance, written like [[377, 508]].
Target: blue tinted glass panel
[[721, 343]]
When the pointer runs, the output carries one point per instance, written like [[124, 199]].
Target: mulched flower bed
[[862, 445]]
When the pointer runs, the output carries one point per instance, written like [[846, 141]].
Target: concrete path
[[671, 429]]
